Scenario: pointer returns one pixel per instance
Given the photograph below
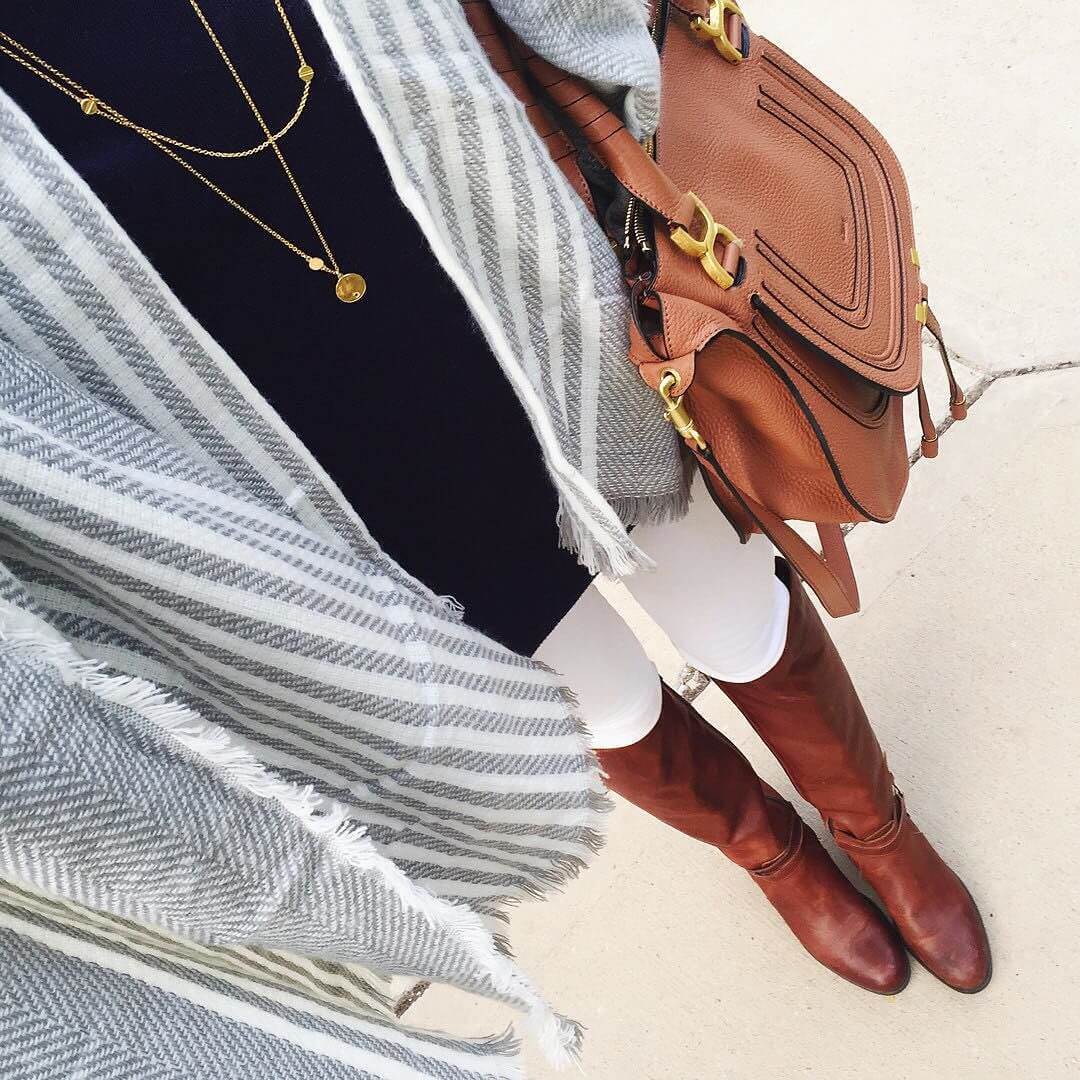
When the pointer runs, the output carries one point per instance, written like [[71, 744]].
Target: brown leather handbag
[[766, 234]]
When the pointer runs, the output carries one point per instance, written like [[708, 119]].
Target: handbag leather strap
[[586, 114], [828, 572]]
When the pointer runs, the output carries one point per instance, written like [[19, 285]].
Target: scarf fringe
[[558, 1037], [612, 554], [615, 554], [652, 510]]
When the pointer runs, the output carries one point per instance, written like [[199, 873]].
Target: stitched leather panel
[[813, 190], [761, 431], [863, 401]]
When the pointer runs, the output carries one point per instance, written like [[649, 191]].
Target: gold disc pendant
[[350, 288]]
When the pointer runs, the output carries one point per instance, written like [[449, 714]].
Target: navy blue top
[[460, 496]]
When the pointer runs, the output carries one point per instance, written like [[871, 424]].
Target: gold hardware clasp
[[922, 312], [704, 249], [714, 27], [676, 412]]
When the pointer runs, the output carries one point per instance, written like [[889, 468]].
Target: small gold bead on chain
[[349, 288]]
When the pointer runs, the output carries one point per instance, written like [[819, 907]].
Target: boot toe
[[835, 923], [968, 976], [931, 907], [875, 958], [959, 954]]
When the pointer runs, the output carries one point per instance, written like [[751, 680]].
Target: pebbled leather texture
[[797, 372], [688, 775], [801, 406], [813, 190]]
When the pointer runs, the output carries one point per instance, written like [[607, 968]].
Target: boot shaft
[[688, 775], [806, 710]]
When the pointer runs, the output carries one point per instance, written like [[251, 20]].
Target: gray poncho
[[246, 762]]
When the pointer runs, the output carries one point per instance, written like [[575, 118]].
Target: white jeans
[[718, 601]]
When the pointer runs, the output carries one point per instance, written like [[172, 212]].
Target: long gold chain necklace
[[92, 104], [349, 287]]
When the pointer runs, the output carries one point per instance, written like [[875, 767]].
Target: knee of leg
[[719, 601], [616, 685], [745, 646]]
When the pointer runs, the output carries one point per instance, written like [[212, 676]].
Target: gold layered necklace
[[349, 287]]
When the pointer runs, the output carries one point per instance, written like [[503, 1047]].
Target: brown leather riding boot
[[688, 775], [807, 712]]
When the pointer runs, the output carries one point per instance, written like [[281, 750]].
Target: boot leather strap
[[886, 840], [785, 863]]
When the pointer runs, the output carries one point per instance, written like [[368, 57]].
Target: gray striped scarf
[[226, 716]]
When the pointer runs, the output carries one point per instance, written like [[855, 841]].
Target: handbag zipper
[[634, 232]]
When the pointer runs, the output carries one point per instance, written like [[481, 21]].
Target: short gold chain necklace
[[349, 287]]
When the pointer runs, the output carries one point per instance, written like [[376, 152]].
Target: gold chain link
[[26, 56], [270, 138], [350, 286]]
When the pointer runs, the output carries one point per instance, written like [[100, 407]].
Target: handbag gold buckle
[[714, 27], [676, 412], [704, 249]]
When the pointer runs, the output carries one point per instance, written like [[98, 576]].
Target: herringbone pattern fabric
[[225, 714], [75, 1003]]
